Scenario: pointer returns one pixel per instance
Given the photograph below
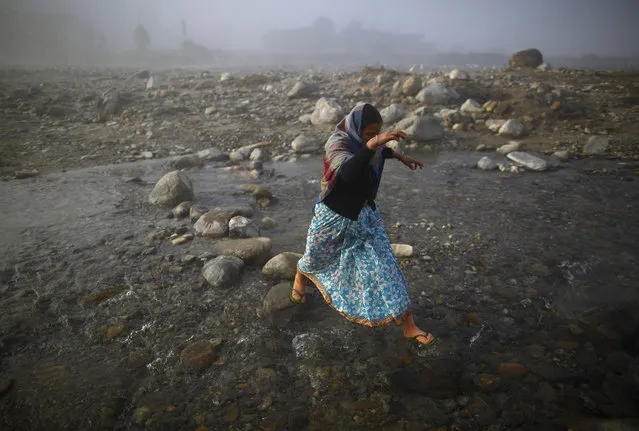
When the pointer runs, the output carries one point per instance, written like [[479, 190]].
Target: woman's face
[[371, 131]]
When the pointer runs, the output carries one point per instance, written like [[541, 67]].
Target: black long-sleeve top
[[355, 184]]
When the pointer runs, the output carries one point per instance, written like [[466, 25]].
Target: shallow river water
[[529, 281]]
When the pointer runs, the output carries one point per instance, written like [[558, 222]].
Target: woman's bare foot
[[412, 332], [299, 287]]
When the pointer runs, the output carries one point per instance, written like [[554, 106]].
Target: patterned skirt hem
[[398, 320]]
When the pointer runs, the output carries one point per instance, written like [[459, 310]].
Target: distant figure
[[348, 256], [141, 38]]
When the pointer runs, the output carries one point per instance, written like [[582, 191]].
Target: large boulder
[[327, 111], [437, 94], [172, 189], [423, 129], [223, 271], [527, 58]]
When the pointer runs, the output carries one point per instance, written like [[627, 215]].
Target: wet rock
[[531, 162], [392, 113], [223, 271], [277, 307], [172, 189], [412, 86], [197, 211], [421, 407], [213, 155], [495, 125], [242, 227], [424, 129], [591, 424], [562, 155], [199, 356], [482, 412], [259, 155], [182, 210], [402, 250], [512, 369], [527, 58], [437, 94], [182, 239], [283, 266], [268, 223], [596, 145], [185, 162], [214, 224], [26, 173], [471, 107], [508, 148], [301, 90], [619, 362], [512, 129], [105, 294], [5, 386], [436, 378], [327, 111], [115, 331], [487, 164], [305, 144], [459, 75], [250, 250], [487, 382]]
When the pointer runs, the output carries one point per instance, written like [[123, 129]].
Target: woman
[[348, 256]]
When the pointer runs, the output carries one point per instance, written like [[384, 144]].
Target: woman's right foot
[[298, 288]]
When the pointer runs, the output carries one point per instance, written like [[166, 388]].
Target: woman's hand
[[411, 163], [383, 138]]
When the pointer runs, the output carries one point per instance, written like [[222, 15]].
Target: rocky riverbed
[[148, 291]]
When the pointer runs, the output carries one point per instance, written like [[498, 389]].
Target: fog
[[556, 27]]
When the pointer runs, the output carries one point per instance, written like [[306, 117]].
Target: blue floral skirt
[[354, 267]]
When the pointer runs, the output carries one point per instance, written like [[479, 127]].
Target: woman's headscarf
[[345, 142]]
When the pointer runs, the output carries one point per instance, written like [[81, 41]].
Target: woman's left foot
[[424, 339]]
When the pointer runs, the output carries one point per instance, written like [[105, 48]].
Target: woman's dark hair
[[370, 115]]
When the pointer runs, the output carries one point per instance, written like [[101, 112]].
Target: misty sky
[[557, 27]]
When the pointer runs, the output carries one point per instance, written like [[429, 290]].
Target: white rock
[[259, 155], [210, 110], [402, 250], [471, 107], [531, 162], [392, 113], [495, 125], [437, 94], [487, 164], [596, 145], [425, 129], [544, 67], [512, 129], [225, 76], [397, 146], [445, 113], [509, 148], [301, 89], [305, 119], [304, 143], [147, 155], [459, 75], [152, 83], [327, 111], [242, 227]]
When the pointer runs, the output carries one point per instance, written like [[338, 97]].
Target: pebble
[[199, 355]]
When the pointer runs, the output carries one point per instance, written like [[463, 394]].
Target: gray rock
[[223, 271], [172, 189], [213, 155], [562, 155], [596, 145], [509, 148], [268, 223], [392, 113], [259, 155], [527, 58], [531, 162], [282, 267], [305, 143], [109, 105], [512, 129], [214, 224], [397, 146], [185, 162], [327, 111], [425, 129], [250, 250], [437, 94], [242, 227], [487, 164], [197, 211], [301, 89], [277, 308], [471, 107], [182, 210], [305, 119], [411, 86]]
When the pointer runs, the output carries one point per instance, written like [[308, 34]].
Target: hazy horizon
[[557, 28]]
